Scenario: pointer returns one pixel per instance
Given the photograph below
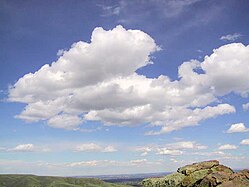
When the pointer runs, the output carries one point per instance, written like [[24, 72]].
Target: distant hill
[[45, 181]]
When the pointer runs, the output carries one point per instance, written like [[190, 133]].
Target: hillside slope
[[45, 181]]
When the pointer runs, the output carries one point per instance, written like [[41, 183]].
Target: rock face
[[202, 174]]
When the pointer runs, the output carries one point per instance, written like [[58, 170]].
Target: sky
[[122, 87]]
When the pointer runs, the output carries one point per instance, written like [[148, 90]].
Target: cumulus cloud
[[92, 147], [245, 142], [238, 127], [97, 81], [231, 37], [227, 147]]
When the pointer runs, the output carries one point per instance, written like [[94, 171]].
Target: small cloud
[[88, 147], [92, 147], [109, 149], [165, 151], [209, 154], [173, 160], [124, 21], [144, 154], [227, 147], [245, 142], [231, 37], [83, 163], [26, 148], [238, 127], [91, 130], [173, 149], [23, 148], [185, 145], [245, 106], [110, 10], [2, 149], [138, 162], [60, 52], [144, 150]]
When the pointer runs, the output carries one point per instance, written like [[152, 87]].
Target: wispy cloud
[[231, 37], [84, 167], [25, 148], [166, 151], [110, 10], [173, 149], [245, 106], [186, 145], [60, 147], [92, 147], [173, 8], [227, 147]]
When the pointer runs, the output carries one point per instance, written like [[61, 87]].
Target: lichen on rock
[[202, 174]]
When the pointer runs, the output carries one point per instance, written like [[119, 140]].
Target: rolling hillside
[[44, 181]]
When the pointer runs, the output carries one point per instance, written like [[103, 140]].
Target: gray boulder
[[202, 174]]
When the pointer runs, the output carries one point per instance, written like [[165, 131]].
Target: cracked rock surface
[[202, 174]]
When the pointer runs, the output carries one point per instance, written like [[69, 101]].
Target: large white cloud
[[98, 81]]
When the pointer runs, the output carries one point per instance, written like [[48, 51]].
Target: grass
[[46, 181]]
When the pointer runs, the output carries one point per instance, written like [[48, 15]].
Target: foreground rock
[[202, 174]]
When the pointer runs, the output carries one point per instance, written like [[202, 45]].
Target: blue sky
[[108, 87]]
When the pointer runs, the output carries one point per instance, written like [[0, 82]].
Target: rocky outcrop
[[202, 174]]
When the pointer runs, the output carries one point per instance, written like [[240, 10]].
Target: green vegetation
[[44, 181]]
